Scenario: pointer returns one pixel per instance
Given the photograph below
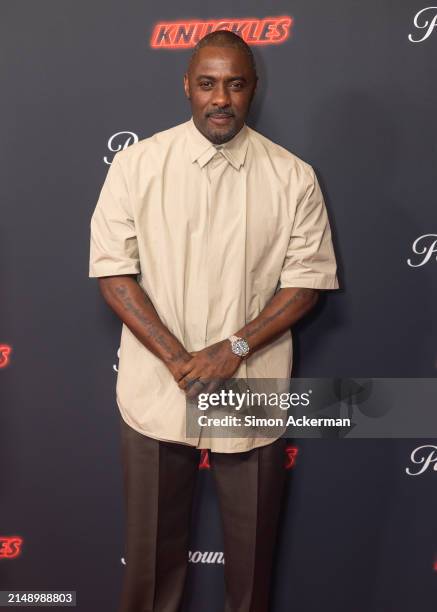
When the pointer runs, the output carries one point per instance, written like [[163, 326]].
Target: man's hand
[[208, 367], [178, 364], [217, 362]]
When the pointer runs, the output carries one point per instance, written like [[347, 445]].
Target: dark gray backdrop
[[349, 93]]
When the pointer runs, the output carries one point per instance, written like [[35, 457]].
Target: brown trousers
[[159, 479]]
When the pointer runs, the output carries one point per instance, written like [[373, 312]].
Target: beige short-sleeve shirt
[[212, 233]]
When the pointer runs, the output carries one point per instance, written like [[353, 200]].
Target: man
[[209, 241]]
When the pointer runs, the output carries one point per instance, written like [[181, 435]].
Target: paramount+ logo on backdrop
[[424, 458], [426, 247], [254, 31], [425, 22]]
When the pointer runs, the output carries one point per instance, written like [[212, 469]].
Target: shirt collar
[[202, 149]]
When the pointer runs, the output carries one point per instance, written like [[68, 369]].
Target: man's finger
[[184, 370], [188, 380], [193, 390]]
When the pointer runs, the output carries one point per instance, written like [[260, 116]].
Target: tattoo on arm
[[152, 332], [302, 293]]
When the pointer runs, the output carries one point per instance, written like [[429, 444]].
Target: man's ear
[[186, 86], [255, 87]]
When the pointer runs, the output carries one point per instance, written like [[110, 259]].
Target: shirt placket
[[214, 168], [226, 256], [222, 213]]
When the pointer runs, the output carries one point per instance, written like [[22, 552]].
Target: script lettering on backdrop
[[124, 140], [198, 556], [423, 456], [425, 245], [425, 19]]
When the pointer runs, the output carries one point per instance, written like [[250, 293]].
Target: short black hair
[[224, 38]]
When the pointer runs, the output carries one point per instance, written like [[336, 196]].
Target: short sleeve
[[113, 238], [310, 258]]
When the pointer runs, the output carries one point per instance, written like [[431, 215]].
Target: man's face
[[220, 85]]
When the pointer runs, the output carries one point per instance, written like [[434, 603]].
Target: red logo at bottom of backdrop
[[290, 458], [10, 546], [5, 351]]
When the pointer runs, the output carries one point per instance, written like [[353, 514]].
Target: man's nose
[[221, 96]]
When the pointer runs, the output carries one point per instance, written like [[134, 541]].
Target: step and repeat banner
[[350, 88]]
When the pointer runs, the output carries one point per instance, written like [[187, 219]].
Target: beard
[[220, 136]]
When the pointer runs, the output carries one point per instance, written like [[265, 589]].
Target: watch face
[[241, 347]]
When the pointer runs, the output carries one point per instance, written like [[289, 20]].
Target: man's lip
[[220, 118]]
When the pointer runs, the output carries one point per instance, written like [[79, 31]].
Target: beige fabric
[[212, 234]]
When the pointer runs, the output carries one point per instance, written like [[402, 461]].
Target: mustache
[[221, 113]]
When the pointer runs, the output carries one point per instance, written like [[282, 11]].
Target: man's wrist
[[178, 356]]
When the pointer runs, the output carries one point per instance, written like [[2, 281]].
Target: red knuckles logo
[[254, 31], [204, 460], [291, 453], [10, 546], [290, 458], [5, 351]]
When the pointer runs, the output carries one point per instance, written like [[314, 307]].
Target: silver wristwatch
[[239, 346]]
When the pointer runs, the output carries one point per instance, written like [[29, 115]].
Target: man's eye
[[205, 84], [238, 85]]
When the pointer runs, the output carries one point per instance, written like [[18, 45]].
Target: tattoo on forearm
[[152, 332], [302, 293]]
